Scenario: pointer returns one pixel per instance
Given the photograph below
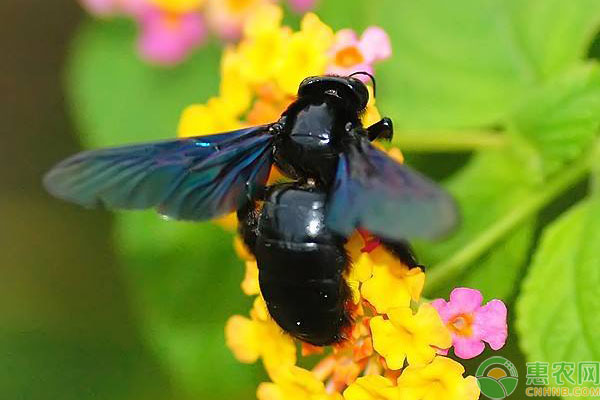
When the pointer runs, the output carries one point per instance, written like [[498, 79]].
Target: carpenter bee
[[339, 182]]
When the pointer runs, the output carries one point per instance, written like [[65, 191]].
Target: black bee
[[297, 230]]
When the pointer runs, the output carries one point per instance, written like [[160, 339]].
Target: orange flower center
[[461, 324], [348, 57], [171, 20]]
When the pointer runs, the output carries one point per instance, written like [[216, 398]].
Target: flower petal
[[465, 300], [101, 7], [207, 119], [393, 286], [441, 379], [431, 327], [178, 6], [371, 387], [389, 342], [442, 308], [491, 320], [269, 391], [250, 284], [167, 38], [294, 383], [344, 38], [409, 336], [241, 337], [375, 44], [305, 53], [467, 348], [302, 6]]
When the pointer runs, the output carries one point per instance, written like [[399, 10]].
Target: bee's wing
[[191, 179], [374, 192]]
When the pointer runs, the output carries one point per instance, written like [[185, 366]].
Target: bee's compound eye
[[361, 92]]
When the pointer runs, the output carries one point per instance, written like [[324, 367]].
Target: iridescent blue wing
[[374, 192], [191, 179]]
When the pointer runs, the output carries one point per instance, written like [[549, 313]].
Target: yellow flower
[[371, 114], [263, 45], [228, 222], [306, 53], [219, 114], [259, 79], [178, 6], [360, 271], [409, 336], [396, 154], [294, 383], [250, 284], [226, 18], [233, 86], [442, 379], [393, 284], [354, 246], [207, 119], [239, 6], [242, 250], [372, 387], [260, 336]]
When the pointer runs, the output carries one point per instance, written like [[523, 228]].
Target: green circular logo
[[497, 378]]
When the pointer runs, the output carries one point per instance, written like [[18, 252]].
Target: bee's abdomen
[[304, 289], [301, 265]]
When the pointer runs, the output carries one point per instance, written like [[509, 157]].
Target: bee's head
[[347, 88]]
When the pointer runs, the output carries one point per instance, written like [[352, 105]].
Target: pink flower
[[350, 54], [302, 6], [471, 324], [167, 37], [101, 7], [105, 8]]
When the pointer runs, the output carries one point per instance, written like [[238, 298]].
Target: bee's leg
[[383, 129], [402, 251], [248, 224]]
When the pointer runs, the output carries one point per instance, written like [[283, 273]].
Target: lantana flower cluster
[[260, 75], [171, 29], [397, 345]]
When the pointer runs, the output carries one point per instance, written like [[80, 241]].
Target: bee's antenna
[[370, 76]]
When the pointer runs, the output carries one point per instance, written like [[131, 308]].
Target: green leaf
[[558, 312], [486, 190], [184, 279], [552, 34], [116, 97], [559, 121], [467, 62]]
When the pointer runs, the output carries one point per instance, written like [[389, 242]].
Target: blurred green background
[[496, 98]]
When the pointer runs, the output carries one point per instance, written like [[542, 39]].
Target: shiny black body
[[315, 126], [296, 230], [301, 261]]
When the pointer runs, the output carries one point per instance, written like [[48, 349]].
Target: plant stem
[[448, 141], [441, 273]]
